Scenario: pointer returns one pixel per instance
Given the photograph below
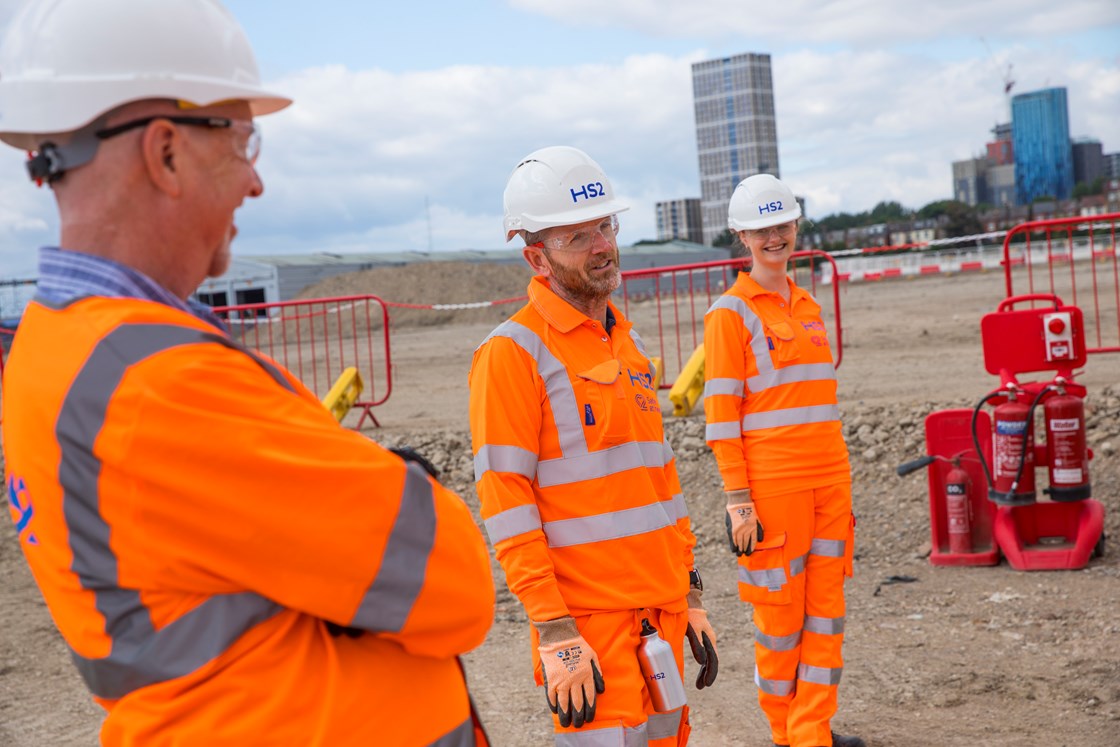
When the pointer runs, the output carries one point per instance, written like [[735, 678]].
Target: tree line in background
[[960, 219]]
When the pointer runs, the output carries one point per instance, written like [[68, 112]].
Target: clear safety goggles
[[246, 140], [582, 238], [784, 231]]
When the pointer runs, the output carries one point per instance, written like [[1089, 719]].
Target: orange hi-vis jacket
[[579, 488], [193, 516], [770, 391]]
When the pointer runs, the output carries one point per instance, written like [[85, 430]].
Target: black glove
[[409, 454], [705, 655]]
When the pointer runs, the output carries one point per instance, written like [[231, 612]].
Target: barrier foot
[[367, 412]]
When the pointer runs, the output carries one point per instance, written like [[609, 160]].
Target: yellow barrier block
[[344, 393], [656, 372], [689, 385]]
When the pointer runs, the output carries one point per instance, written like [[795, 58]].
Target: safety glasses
[[246, 141], [581, 239], [784, 231]]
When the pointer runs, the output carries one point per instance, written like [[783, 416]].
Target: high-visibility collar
[[749, 287], [560, 314]]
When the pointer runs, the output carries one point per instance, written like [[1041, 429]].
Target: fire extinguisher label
[[1067, 476], [1065, 424], [1011, 427]]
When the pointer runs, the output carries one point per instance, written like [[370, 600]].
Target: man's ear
[[537, 260], [162, 150]]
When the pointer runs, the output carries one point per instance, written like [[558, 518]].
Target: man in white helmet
[[226, 563], [579, 488]]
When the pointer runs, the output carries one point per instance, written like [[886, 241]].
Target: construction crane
[[1008, 81]]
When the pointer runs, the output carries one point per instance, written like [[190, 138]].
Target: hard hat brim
[[534, 223], [23, 103]]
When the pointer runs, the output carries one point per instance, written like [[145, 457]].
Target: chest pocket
[[604, 409], [784, 341]]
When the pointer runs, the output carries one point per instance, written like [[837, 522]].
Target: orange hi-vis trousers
[[795, 582], [624, 714]]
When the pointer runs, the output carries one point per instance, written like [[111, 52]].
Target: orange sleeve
[[725, 343], [506, 401], [247, 486], [684, 524]]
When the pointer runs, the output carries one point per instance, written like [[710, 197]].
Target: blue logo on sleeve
[[588, 416], [21, 502]]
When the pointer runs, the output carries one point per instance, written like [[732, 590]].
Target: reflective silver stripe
[[512, 522], [558, 388], [461, 736], [792, 375], [777, 642], [714, 387], [797, 565], [819, 675], [677, 507], [608, 526], [664, 725], [388, 601], [773, 687], [596, 464], [139, 655], [612, 736], [772, 579], [513, 459], [724, 430], [790, 416], [637, 340], [828, 548], [824, 625]]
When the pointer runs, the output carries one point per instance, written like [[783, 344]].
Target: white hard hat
[[64, 63], [761, 201], [557, 186]]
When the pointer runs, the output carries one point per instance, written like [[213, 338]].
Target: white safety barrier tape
[[456, 306]]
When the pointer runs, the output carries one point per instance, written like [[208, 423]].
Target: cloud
[[855, 23], [370, 159], [366, 150]]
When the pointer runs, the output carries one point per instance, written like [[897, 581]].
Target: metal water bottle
[[659, 667]]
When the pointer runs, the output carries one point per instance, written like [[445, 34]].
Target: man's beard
[[579, 285]]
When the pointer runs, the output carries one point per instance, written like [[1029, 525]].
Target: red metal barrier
[[673, 300], [1075, 259], [317, 339]]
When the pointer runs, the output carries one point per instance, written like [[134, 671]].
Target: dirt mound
[[432, 283]]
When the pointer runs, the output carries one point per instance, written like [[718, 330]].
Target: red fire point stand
[[982, 468]]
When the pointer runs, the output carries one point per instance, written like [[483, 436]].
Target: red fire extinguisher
[[958, 509], [1012, 453], [1068, 456]]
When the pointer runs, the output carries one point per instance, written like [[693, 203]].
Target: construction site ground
[[933, 655]]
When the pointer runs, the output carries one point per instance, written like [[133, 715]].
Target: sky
[[409, 117]]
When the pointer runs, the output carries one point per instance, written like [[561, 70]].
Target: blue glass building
[[1040, 140]]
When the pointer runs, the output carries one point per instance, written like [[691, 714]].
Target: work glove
[[743, 526], [409, 454], [702, 638], [571, 671]]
